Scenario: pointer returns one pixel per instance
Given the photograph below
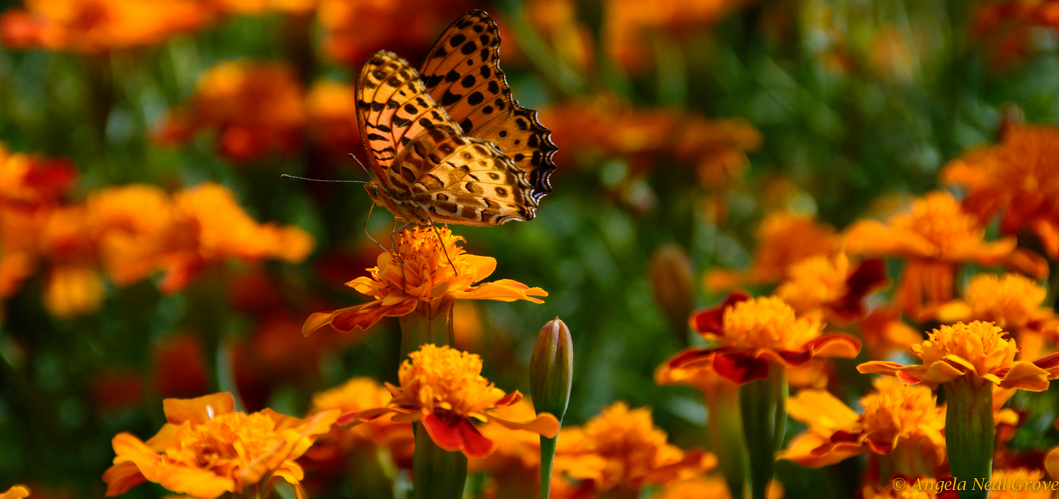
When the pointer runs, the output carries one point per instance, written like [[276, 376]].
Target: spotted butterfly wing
[[427, 170], [462, 73]]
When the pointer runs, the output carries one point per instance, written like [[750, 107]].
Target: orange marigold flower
[[1021, 483], [899, 421], [296, 7], [933, 238], [978, 351], [443, 387], [829, 286], [211, 226], [1013, 302], [403, 26], [132, 226], [752, 332], [27, 180], [1018, 177], [885, 333], [623, 448], [784, 239], [356, 395], [517, 451], [207, 449], [419, 274], [92, 26], [15, 492], [256, 107]]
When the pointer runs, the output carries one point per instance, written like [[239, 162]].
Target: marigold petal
[[712, 320], [121, 477], [872, 237], [835, 345], [509, 399], [1027, 261], [15, 492], [505, 290], [545, 425], [365, 316], [167, 436], [484, 266], [1050, 364], [884, 367], [455, 433], [198, 410], [1051, 463], [811, 451], [1026, 376], [939, 372], [739, 368], [991, 253], [820, 410], [1048, 233]]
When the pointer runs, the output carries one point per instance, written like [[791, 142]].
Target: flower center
[[1010, 301], [227, 437], [448, 379], [939, 218], [424, 261], [814, 282], [980, 343], [767, 322], [896, 407], [622, 433]]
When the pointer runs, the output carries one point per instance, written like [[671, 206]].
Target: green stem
[[369, 479], [764, 406], [969, 435], [436, 472], [547, 459], [427, 324], [725, 428]]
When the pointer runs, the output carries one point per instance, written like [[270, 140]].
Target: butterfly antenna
[[323, 180], [443, 248], [366, 170]]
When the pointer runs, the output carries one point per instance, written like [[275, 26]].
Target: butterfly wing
[[466, 180], [393, 107], [463, 74]]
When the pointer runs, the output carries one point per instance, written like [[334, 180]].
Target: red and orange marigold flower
[[419, 275], [754, 332], [1018, 179], [933, 238], [443, 388], [622, 448], [978, 351], [207, 449]]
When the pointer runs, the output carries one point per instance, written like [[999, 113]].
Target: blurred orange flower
[[711, 487], [1012, 301], [629, 25], [917, 488], [830, 287], [29, 180], [784, 239], [899, 421], [975, 351], [1022, 483], [419, 275], [443, 387], [296, 7], [1018, 178], [92, 26], [15, 492], [754, 332], [885, 333], [933, 238], [255, 108], [622, 448], [402, 26], [132, 225], [207, 449], [356, 395]]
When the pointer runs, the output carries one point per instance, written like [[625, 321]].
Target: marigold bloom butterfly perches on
[[448, 143]]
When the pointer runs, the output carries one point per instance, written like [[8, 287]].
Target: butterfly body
[[452, 146]]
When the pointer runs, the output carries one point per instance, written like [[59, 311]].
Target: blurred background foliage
[[679, 122]]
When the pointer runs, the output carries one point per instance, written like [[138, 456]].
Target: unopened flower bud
[[672, 280], [552, 369]]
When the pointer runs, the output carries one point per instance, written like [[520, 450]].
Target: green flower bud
[[672, 280], [552, 369]]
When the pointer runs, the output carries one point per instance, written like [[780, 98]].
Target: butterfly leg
[[366, 228], [393, 250], [444, 249]]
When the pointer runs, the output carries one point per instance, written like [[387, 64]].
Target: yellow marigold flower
[[444, 388], [933, 238], [207, 449], [783, 240], [900, 421], [15, 492], [977, 350], [623, 448], [1019, 177], [256, 107], [359, 394], [1013, 302], [1021, 483], [710, 487], [752, 332], [820, 284], [93, 26], [911, 488], [419, 274]]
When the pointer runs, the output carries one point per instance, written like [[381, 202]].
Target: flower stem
[[427, 325], [725, 428], [547, 459], [436, 472], [764, 406], [969, 434]]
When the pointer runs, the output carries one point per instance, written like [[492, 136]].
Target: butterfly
[[448, 143]]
